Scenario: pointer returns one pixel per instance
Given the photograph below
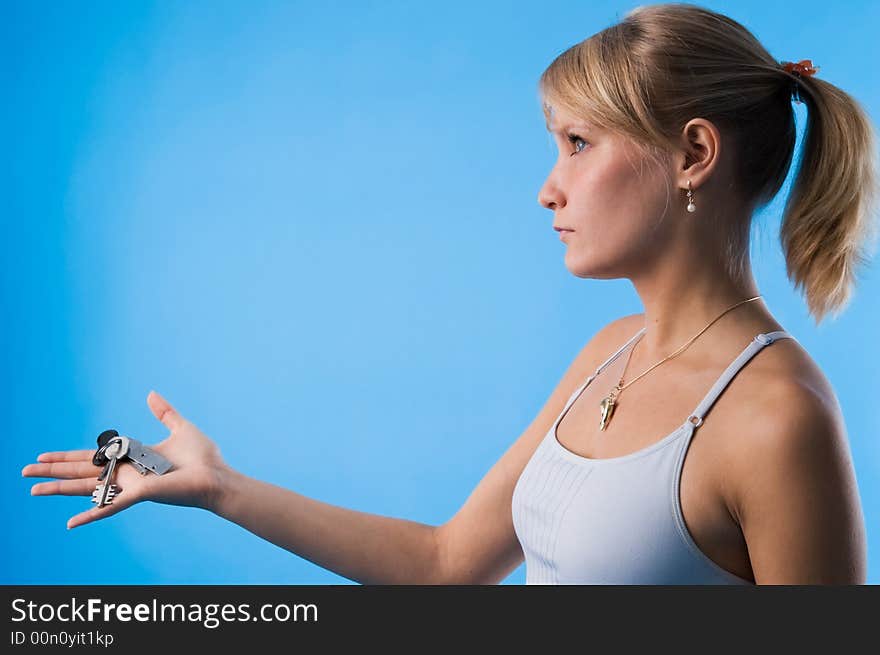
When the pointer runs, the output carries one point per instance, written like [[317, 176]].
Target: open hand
[[194, 480]]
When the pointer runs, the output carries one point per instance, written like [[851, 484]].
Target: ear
[[700, 152]]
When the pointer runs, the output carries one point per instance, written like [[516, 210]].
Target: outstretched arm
[[368, 548]]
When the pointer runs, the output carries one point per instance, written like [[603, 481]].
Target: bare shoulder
[[791, 478], [794, 411], [786, 400], [788, 388]]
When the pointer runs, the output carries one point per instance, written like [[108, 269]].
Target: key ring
[[99, 459]]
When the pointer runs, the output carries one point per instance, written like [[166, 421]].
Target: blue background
[[314, 229]]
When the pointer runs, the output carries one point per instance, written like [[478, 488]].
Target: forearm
[[367, 548]]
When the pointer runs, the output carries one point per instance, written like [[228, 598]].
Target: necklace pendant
[[606, 407]]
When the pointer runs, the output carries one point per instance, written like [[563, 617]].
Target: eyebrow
[[578, 125]]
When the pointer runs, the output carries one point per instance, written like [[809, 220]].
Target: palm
[[195, 457]]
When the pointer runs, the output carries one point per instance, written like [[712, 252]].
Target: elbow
[[439, 569], [446, 570]]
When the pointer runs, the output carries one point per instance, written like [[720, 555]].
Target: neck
[[678, 305]]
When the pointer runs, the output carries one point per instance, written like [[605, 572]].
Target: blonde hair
[[661, 65]]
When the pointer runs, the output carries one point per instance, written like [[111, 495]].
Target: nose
[[550, 197]]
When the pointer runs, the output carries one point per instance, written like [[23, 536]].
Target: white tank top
[[616, 520]]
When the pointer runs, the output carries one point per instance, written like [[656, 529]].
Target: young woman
[[673, 127]]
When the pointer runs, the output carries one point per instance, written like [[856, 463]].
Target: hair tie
[[802, 68]]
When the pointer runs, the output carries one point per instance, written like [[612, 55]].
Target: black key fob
[[106, 436]]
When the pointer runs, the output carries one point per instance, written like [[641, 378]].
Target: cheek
[[620, 216], [618, 203]]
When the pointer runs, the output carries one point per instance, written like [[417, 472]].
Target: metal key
[[100, 459], [140, 467], [114, 451], [145, 458], [111, 452]]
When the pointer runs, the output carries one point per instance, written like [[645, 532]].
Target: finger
[[66, 456], [163, 411], [66, 470], [120, 502], [83, 487]]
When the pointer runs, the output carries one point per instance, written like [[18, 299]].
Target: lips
[[563, 229]]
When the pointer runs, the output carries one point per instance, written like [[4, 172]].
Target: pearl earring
[[691, 206]]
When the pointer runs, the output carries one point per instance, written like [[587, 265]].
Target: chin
[[585, 268]]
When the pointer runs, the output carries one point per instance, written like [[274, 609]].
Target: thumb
[[163, 411]]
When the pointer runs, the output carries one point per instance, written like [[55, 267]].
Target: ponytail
[[828, 230]]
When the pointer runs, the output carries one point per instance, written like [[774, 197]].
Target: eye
[[573, 139]]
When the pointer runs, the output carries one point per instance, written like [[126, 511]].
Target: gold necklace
[[608, 404]]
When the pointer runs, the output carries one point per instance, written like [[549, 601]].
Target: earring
[[691, 206]]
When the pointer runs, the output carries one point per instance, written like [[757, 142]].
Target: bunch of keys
[[113, 448]]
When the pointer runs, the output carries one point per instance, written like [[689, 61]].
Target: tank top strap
[[576, 392], [618, 353], [755, 346]]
